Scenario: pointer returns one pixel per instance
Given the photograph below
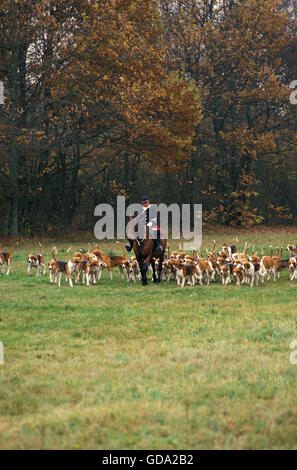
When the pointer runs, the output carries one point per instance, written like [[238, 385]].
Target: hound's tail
[[41, 249], [125, 253], [17, 244], [248, 247], [54, 253], [68, 254]]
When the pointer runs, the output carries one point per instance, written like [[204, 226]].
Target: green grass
[[119, 365]]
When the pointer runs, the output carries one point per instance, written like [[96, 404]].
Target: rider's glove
[[149, 224]]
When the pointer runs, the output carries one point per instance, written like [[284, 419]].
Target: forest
[[187, 101]]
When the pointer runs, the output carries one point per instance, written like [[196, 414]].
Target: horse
[[145, 253]]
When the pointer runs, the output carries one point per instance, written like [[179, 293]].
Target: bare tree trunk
[[14, 171]]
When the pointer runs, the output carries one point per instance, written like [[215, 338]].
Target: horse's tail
[[125, 253]]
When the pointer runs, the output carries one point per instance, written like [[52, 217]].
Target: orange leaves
[[279, 212], [122, 72]]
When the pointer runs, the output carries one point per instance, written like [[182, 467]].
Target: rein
[[138, 241]]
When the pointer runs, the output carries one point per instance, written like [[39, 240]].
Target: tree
[[232, 50], [90, 85]]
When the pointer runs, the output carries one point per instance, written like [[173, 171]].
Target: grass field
[[123, 366]]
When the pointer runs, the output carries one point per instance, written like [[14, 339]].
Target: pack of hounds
[[226, 266]]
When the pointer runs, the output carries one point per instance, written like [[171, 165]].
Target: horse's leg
[[145, 265], [154, 270], [142, 271], [161, 259]]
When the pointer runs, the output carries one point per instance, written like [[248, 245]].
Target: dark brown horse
[[145, 253]]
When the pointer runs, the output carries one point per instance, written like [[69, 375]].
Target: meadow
[[121, 366]]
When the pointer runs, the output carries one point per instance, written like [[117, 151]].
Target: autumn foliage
[[188, 100]]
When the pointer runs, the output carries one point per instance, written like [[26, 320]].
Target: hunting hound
[[6, 258], [36, 261], [58, 268], [111, 261]]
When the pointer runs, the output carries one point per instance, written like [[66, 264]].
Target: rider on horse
[[148, 218]]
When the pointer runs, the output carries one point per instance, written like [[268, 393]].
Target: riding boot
[[130, 245], [159, 247]]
